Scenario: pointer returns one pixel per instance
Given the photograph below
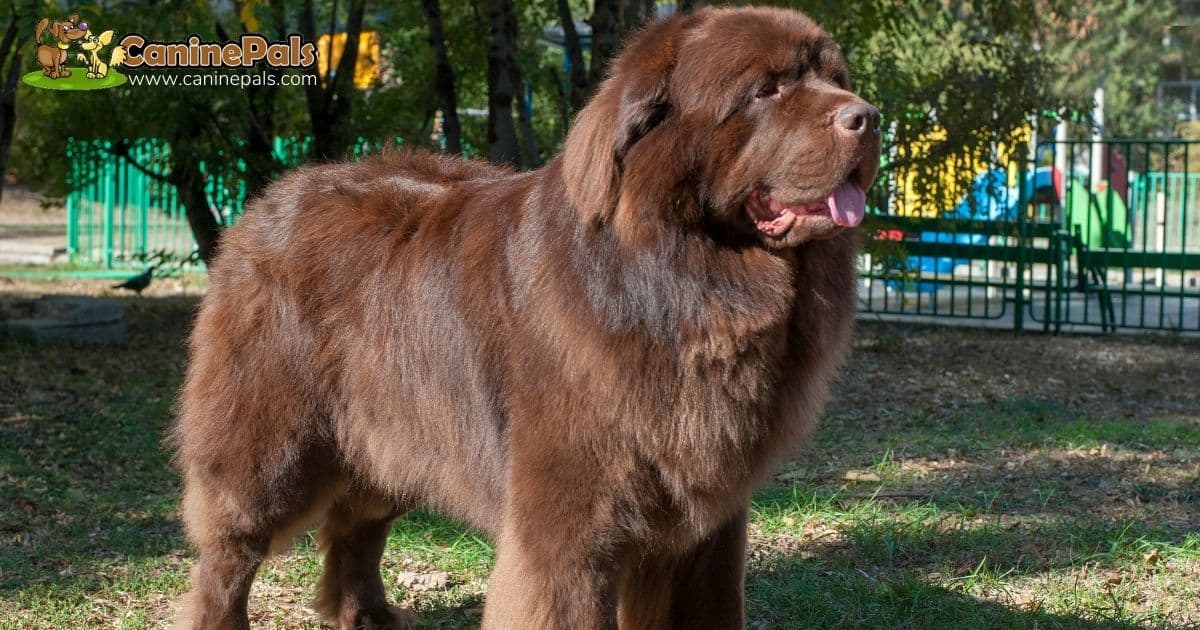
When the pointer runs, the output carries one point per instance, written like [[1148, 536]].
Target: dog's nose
[[858, 119]]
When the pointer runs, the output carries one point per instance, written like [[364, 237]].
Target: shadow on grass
[[878, 563], [926, 534], [1019, 456], [81, 457], [794, 593]]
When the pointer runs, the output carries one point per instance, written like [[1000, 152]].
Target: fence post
[[72, 200], [107, 187], [1019, 298], [143, 183]]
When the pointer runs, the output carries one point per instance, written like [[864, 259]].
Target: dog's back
[[289, 290]]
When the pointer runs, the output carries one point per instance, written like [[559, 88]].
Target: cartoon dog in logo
[[53, 57], [93, 44]]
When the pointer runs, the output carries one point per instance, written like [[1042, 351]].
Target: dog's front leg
[[537, 588], [701, 589], [559, 552]]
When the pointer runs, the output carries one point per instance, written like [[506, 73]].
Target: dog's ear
[[630, 102], [106, 37], [73, 18], [39, 29]]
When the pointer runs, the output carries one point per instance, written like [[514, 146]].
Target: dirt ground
[[29, 231], [20, 206]]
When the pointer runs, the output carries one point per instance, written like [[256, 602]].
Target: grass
[[35, 228], [961, 479]]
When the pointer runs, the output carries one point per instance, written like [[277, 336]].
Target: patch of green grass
[[1023, 423], [863, 562], [35, 228]]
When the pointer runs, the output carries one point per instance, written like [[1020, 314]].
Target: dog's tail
[[117, 58], [41, 28]]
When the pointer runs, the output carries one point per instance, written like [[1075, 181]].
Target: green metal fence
[[1078, 235], [115, 211], [1136, 261], [120, 210]]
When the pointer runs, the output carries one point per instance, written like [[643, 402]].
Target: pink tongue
[[848, 204]]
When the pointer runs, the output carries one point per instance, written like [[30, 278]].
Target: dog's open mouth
[[846, 206]]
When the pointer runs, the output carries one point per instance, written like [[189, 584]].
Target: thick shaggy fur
[[594, 363]]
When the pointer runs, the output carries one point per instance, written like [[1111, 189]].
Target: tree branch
[[120, 149]]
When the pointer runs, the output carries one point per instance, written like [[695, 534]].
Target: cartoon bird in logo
[[93, 44]]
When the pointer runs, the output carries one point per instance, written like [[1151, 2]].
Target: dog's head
[[96, 42], [734, 120], [63, 31]]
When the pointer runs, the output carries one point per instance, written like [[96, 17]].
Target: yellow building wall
[[366, 68], [909, 202]]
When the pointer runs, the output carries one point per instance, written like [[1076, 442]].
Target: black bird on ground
[[139, 282]]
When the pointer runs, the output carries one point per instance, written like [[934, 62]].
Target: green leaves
[[1117, 44], [957, 82]]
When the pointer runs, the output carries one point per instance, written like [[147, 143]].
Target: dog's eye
[[768, 90]]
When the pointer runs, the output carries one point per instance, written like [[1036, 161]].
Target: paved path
[[32, 245], [1134, 311]]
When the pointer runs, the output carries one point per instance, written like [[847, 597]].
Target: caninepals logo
[[60, 42], [74, 57]]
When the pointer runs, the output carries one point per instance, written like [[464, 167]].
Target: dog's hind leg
[[351, 593], [221, 578], [235, 527]]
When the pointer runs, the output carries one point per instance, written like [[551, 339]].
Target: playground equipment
[[1099, 218]]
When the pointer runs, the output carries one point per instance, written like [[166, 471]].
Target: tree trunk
[[606, 35], [189, 185], [533, 157], [184, 173], [330, 106], [635, 13], [501, 57], [258, 152], [10, 52], [564, 105], [443, 78], [579, 86]]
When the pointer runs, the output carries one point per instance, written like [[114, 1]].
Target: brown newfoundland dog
[[594, 363]]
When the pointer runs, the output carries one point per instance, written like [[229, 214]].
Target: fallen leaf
[[865, 476], [437, 580]]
